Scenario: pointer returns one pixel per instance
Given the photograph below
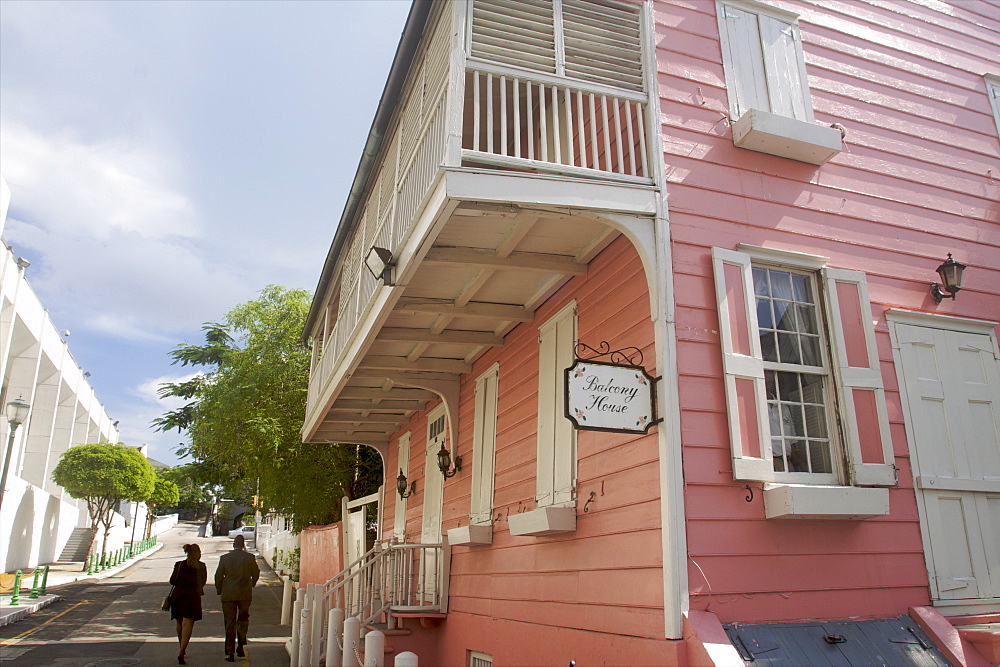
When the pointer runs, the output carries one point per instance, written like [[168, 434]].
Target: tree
[[245, 410], [104, 474], [193, 488], [164, 494]]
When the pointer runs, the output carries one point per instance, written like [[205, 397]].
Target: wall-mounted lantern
[[401, 486], [951, 280], [379, 262], [444, 462]]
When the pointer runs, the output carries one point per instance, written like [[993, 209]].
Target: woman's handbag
[[165, 606]]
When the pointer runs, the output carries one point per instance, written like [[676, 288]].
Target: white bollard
[[300, 596], [334, 624], [305, 632], [406, 659], [286, 601], [374, 649], [352, 642], [318, 616]]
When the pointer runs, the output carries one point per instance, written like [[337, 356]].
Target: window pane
[[806, 318], [788, 387], [760, 282], [781, 285], [791, 417], [764, 318], [819, 456], [769, 384], [815, 421], [774, 414], [812, 389], [801, 289], [798, 456], [810, 351], [784, 313], [788, 349], [768, 346], [776, 451]]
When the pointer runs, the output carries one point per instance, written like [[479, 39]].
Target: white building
[[37, 517]]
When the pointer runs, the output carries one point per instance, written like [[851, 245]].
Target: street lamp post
[[17, 412]]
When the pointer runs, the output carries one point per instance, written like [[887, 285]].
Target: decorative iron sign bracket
[[616, 396]]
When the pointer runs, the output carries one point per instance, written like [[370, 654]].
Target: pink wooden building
[[753, 196]]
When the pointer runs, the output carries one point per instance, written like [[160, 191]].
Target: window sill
[[543, 521], [805, 501], [471, 535], [769, 133]]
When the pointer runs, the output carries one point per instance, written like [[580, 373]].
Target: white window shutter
[[743, 364], [556, 467], [744, 59], [399, 520], [484, 447], [862, 396], [787, 88]]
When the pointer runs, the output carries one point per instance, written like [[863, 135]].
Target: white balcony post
[[352, 639], [300, 596], [305, 632], [374, 649], [406, 659], [286, 601], [318, 615], [334, 625]]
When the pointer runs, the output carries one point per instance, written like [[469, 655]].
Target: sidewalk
[[60, 574]]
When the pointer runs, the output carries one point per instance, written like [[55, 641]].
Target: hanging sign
[[602, 396]]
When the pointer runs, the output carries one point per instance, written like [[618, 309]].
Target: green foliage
[[165, 494], [104, 474], [246, 408], [193, 488]]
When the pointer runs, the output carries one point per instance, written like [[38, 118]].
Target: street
[[117, 621]]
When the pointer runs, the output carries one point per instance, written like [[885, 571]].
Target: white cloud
[[93, 189]]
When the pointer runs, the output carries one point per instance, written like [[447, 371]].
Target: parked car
[[249, 534]]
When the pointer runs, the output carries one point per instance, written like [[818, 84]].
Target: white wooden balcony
[[506, 126]]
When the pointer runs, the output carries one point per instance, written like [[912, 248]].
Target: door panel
[[952, 382]]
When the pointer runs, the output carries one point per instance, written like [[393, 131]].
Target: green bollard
[[45, 579], [34, 584], [15, 595], [90, 564]]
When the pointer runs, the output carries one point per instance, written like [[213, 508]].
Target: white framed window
[[478, 659], [993, 91], [556, 470], [484, 447], [399, 518], [763, 61], [769, 99], [803, 384]]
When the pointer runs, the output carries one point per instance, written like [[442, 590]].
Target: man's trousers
[[237, 616]]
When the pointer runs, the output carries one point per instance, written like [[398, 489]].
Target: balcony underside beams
[[499, 245]]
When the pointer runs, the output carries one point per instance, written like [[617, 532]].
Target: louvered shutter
[[484, 447], [787, 92], [601, 43], [556, 467], [856, 366], [518, 33], [743, 364]]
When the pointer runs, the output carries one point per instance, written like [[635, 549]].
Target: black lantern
[[951, 280], [401, 486], [444, 462]]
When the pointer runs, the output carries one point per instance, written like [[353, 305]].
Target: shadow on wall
[[21, 533], [49, 542]]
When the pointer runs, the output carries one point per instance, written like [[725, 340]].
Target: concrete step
[[982, 631], [76, 547]]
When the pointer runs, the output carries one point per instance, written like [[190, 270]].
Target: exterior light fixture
[[951, 280], [17, 413], [379, 262], [401, 486], [444, 462]]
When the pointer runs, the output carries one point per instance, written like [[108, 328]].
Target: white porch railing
[[392, 578], [547, 123]]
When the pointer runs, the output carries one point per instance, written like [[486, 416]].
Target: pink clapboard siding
[[917, 179], [574, 590]]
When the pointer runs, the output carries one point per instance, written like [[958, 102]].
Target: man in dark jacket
[[234, 581]]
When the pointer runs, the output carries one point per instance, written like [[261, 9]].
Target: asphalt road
[[117, 621]]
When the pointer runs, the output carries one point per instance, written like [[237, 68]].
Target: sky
[[168, 160]]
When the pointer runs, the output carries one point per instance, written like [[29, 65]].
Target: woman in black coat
[[188, 579]]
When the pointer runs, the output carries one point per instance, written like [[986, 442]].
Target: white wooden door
[[952, 389], [430, 532]]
